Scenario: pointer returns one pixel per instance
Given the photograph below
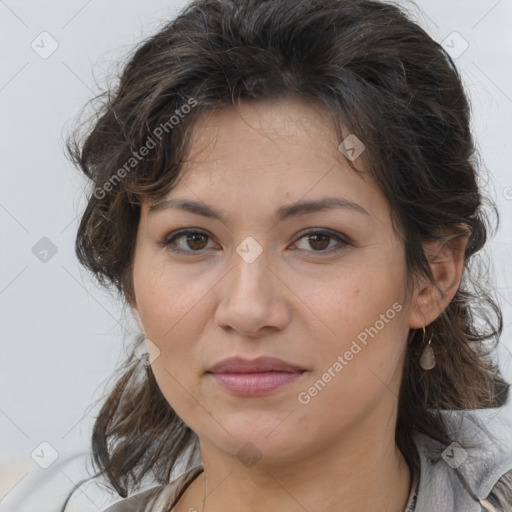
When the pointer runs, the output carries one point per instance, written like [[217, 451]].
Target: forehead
[[278, 126], [271, 152]]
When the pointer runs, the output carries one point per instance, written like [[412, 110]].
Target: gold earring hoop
[[427, 359]]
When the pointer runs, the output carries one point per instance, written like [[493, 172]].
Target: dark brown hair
[[382, 78]]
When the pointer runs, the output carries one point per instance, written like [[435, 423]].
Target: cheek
[[175, 315], [366, 318], [168, 298], [359, 366], [179, 386]]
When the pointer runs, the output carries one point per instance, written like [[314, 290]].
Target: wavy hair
[[382, 78]]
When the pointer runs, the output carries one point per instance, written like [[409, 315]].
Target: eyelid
[[334, 234]]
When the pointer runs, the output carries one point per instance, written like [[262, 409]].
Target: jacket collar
[[457, 476]]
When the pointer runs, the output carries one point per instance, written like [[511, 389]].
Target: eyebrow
[[282, 213]]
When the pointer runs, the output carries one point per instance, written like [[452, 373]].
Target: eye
[[187, 241], [196, 241], [320, 240]]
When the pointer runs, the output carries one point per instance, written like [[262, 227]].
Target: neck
[[338, 478]]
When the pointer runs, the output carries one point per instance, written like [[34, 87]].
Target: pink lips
[[255, 377]]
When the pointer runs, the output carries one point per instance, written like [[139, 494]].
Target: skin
[[295, 301]]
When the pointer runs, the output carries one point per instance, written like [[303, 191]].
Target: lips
[[256, 377], [260, 365]]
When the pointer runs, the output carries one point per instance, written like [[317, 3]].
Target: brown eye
[[322, 241], [319, 242], [186, 241], [196, 241]]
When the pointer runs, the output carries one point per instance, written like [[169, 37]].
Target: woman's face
[[321, 289]]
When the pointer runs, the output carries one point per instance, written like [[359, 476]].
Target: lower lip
[[254, 384]]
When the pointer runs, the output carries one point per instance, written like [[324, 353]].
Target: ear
[[446, 260], [136, 315]]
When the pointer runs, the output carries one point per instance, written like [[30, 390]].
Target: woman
[[285, 195]]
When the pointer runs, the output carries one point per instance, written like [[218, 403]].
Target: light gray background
[[61, 335]]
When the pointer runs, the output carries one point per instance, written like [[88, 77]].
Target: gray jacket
[[452, 478], [455, 479]]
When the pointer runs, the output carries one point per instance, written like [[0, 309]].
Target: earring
[[427, 359], [141, 352], [151, 352]]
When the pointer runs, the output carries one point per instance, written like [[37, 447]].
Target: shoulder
[[158, 498], [137, 502], [474, 471], [501, 495]]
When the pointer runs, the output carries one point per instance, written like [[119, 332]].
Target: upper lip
[[260, 364]]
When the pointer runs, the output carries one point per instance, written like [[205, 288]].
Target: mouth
[[260, 376], [259, 365]]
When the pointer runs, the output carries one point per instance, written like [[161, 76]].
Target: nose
[[253, 299]]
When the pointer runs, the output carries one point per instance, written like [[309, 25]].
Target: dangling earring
[[427, 359], [141, 352], [151, 352]]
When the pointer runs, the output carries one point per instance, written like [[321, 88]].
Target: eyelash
[[179, 234]]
